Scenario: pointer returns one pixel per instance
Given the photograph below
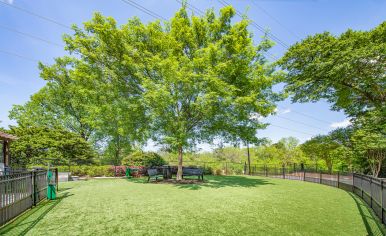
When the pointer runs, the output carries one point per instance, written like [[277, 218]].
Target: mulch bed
[[173, 181]]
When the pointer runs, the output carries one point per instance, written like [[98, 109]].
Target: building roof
[[8, 137]]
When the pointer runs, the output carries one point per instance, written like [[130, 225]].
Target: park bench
[[153, 174], [192, 171]]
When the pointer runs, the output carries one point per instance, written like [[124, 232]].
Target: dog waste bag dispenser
[[51, 188]]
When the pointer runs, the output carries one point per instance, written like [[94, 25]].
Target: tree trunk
[[179, 171]]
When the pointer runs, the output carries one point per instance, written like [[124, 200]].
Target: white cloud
[[9, 1], [286, 111], [340, 124]]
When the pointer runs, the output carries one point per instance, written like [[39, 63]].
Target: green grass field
[[232, 205]]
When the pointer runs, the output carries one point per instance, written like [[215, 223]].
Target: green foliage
[[88, 170], [188, 80], [203, 78], [347, 70], [369, 141], [37, 145], [147, 159]]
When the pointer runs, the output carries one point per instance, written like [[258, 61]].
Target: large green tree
[[203, 78], [188, 80], [42, 145], [348, 70]]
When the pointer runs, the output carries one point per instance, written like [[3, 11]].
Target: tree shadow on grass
[[226, 181], [212, 182], [25, 222], [370, 220]]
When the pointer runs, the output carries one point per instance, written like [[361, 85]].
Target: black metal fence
[[21, 191], [371, 190]]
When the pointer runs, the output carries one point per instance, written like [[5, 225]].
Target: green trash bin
[[51, 187], [51, 192], [128, 173]]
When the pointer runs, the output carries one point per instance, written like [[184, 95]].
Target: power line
[[144, 9], [258, 27], [31, 36], [275, 19], [192, 7], [296, 131], [299, 122], [18, 55], [306, 115], [35, 14]]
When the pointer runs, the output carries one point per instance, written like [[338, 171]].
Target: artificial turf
[[223, 205]]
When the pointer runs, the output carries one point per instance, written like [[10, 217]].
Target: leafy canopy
[[347, 70]]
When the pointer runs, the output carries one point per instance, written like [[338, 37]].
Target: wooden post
[[320, 177], [338, 179], [304, 174], [283, 172], [6, 153]]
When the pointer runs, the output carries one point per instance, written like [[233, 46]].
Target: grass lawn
[[231, 205]]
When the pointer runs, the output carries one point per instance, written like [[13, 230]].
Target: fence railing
[[21, 191], [371, 190]]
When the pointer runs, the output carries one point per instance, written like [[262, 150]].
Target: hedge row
[[110, 171], [94, 171]]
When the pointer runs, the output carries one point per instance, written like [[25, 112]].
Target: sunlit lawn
[[234, 205]]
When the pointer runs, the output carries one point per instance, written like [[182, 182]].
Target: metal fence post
[[371, 193], [35, 192], [338, 178], [32, 189], [361, 187], [57, 179], [382, 217]]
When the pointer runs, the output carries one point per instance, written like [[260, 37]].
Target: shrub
[[146, 159], [218, 172]]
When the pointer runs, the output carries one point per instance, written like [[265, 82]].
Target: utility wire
[[35, 14], [299, 122], [144, 9], [31, 36], [258, 27], [275, 19], [192, 7], [296, 131], [18, 55], [306, 115]]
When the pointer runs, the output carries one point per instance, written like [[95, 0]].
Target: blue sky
[[289, 20]]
